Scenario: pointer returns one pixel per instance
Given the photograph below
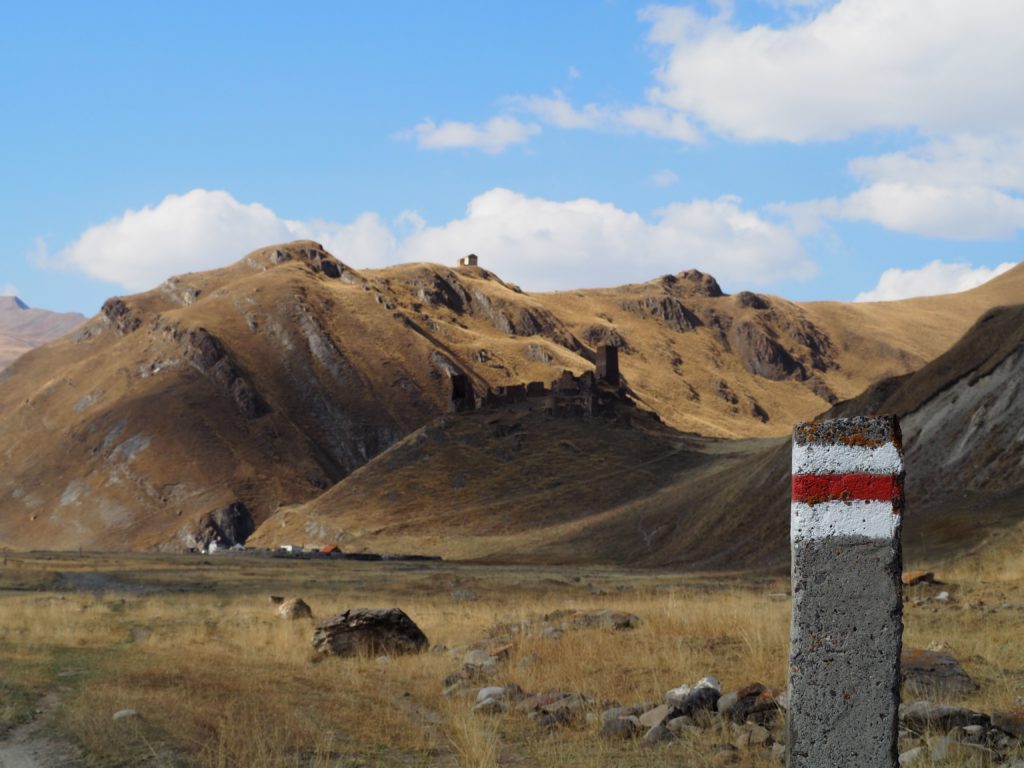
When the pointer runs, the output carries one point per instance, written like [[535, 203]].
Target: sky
[[844, 150]]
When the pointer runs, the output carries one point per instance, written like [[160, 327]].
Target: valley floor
[[193, 646]]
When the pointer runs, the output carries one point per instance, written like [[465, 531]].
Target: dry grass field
[[192, 644]]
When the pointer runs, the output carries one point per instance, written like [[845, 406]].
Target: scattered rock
[[465, 596], [910, 578], [922, 715], [607, 619], [1011, 722], [680, 725], [490, 692], [369, 631], [758, 704], [726, 703], [621, 728], [948, 748], [934, 672], [568, 708], [126, 714], [542, 702], [477, 664], [913, 756], [703, 697], [750, 735], [656, 735], [656, 716], [491, 707], [294, 608]]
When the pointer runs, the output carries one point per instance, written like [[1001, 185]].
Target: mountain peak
[[12, 302]]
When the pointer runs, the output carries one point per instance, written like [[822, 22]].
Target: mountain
[[23, 328], [263, 385], [522, 487]]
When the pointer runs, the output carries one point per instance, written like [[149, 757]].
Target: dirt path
[[27, 746]]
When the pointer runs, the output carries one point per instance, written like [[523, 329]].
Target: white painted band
[[828, 519], [841, 459]]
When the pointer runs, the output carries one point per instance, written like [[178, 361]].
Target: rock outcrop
[[369, 632]]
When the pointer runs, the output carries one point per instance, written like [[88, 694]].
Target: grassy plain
[[192, 644]]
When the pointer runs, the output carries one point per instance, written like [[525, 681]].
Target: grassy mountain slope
[[529, 488], [271, 380]]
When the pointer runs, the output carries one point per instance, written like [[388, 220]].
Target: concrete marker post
[[847, 623]]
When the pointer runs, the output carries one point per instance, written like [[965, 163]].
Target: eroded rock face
[[668, 309], [763, 355], [369, 631], [751, 300], [693, 281], [604, 335], [226, 527], [445, 291], [120, 315], [207, 355], [521, 321], [312, 254]]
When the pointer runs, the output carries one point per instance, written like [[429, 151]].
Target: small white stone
[[708, 682], [126, 714], [490, 692]]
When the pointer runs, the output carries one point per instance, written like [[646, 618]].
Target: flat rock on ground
[[927, 673]]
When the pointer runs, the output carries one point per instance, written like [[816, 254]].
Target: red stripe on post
[[812, 489]]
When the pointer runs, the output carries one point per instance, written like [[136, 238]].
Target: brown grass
[[220, 681]]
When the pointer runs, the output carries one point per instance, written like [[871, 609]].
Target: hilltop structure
[[468, 261], [592, 393]]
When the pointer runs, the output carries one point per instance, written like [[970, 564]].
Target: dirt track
[[28, 747]]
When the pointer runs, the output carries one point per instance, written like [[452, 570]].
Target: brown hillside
[[521, 486], [527, 488], [23, 328], [269, 381]]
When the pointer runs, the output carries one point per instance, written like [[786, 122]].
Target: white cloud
[[201, 230], [558, 111], [932, 279], [539, 243], [956, 213], [664, 178], [493, 137], [964, 187], [966, 159], [8, 290], [574, 73], [545, 244], [937, 66]]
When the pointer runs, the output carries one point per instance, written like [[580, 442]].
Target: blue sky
[[817, 150]]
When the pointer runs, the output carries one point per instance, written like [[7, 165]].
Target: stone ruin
[[592, 393], [463, 396], [608, 364]]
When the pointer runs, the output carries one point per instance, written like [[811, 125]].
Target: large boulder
[[927, 673], [294, 608], [370, 632]]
